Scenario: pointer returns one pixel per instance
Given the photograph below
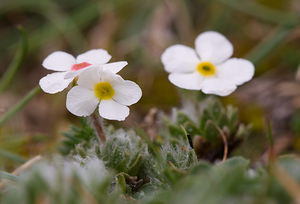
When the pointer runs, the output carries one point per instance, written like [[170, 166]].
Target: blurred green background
[[265, 31]]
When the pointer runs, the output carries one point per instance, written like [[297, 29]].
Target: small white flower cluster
[[208, 68], [98, 83]]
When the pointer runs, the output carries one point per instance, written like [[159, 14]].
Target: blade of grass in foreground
[[12, 156], [16, 108], [5, 175], [266, 46], [263, 13], [16, 63]]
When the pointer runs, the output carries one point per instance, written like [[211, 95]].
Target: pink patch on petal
[[80, 66]]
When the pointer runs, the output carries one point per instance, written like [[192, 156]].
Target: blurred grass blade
[[63, 23], [5, 175], [16, 108], [262, 12], [12, 156], [80, 19], [16, 63], [270, 140], [270, 134], [60, 21], [268, 44]]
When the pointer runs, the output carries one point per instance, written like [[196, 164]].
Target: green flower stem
[[97, 123], [16, 63], [16, 108], [268, 44], [263, 13], [11, 156]]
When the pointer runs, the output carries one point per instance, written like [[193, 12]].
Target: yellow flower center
[[206, 69], [104, 91]]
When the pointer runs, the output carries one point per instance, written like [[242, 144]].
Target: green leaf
[[216, 110], [211, 132], [176, 131], [121, 182], [183, 118], [233, 118], [77, 135]]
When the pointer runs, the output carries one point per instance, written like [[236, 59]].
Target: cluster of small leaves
[[204, 123], [63, 181], [130, 168], [82, 134], [232, 181], [126, 155]]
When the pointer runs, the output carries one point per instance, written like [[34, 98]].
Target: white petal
[[74, 73], [55, 82], [192, 81], [96, 57], [109, 109], [89, 77], [180, 58], [217, 87], [238, 71], [59, 61], [127, 92], [115, 67], [213, 47], [110, 77], [71, 74], [81, 101]]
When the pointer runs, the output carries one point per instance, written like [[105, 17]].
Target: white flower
[[208, 68], [109, 90], [68, 67]]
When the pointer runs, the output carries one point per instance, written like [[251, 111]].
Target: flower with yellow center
[[209, 67], [69, 67], [206, 69], [103, 87], [104, 91]]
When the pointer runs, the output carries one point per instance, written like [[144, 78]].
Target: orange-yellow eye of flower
[[206, 69], [104, 91]]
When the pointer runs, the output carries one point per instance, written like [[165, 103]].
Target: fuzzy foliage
[[130, 168], [204, 123], [62, 181], [232, 181]]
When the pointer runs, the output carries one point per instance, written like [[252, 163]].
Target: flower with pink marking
[[68, 67]]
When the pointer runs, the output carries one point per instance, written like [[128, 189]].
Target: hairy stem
[[97, 123]]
